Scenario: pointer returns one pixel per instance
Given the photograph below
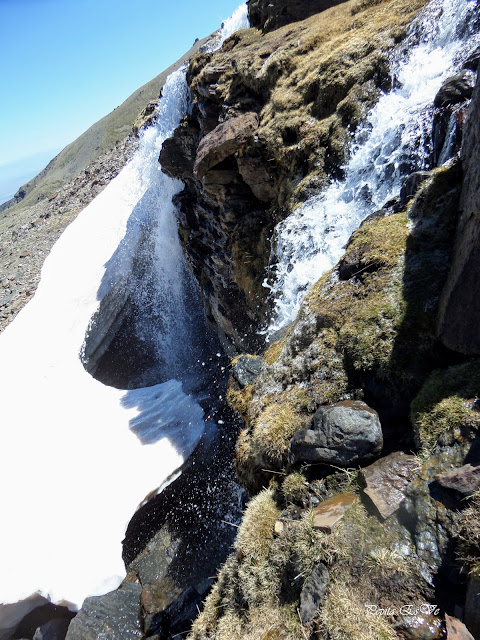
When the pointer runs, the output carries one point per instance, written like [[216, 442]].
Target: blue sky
[[64, 64]]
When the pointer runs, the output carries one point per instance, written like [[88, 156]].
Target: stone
[[386, 479], [472, 606], [345, 433], [331, 511], [459, 307], [227, 138], [410, 186], [253, 170], [268, 15], [457, 88], [115, 616], [313, 593], [466, 479], [246, 369], [177, 618], [278, 527], [456, 630], [55, 629]]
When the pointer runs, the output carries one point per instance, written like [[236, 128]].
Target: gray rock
[[345, 433], [55, 629], [246, 369], [114, 616], [313, 593], [410, 185], [457, 88]]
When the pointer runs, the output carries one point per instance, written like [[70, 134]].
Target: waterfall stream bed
[[394, 142]]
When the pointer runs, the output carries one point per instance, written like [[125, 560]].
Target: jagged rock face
[[362, 333], [460, 306], [271, 118], [268, 15]]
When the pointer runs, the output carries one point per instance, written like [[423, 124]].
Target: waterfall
[[393, 142], [78, 456]]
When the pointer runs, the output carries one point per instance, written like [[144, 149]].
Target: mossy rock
[[445, 410], [373, 333]]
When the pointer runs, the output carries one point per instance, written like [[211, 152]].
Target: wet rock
[[472, 606], [227, 138], [345, 433], [466, 479], [146, 116], [115, 615], [386, 479], [457, 88], [410, 186], [331, 511], [429, 512], [456, 630], [459, 307], [448, 119], [421, 625], [177, 618], [269, 15], [246, 369], [473, 60], [313, 593]]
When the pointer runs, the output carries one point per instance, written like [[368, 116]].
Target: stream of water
[[394, 142]]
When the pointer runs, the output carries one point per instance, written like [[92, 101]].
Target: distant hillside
[[99, 138]]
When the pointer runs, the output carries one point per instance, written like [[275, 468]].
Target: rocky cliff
[[271, 118]]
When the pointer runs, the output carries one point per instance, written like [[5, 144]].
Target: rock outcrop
[[460, 306], [272, 115]]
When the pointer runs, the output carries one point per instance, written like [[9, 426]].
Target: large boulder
[[460, 305], [345, 433], [227, 138]]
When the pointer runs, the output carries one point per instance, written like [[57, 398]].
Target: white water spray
[[387, 148], [77, 456]]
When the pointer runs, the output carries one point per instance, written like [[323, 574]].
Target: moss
[[294, 489], [443, 409], [239, 399], [310, 85], [468, 537], [275, 427]]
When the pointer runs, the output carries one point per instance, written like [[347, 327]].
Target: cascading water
[[393, 143], [79, 456]]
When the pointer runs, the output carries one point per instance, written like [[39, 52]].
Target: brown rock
[[466, 479], [386, 479], [456, 630], [227, 138], [331, 511], [254, 172], [459, 309]]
